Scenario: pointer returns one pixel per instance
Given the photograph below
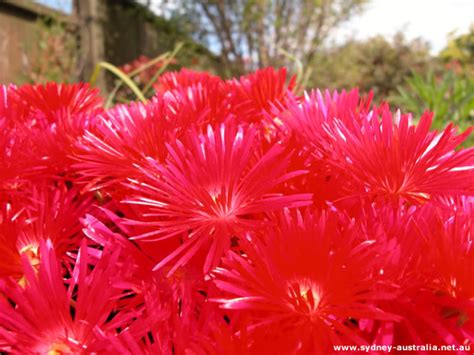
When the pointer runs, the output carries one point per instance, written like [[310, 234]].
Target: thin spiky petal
[[255, 95], [393, 159], [50, 99], [50, 316], [308, 277], [39, 213], [213, 187]]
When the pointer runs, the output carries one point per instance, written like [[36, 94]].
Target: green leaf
[[120, 74], [167, 61]]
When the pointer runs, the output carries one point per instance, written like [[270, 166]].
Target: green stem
[[163, 67], [140, 69], [120, 74]]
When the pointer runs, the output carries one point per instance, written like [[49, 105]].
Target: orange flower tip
[[59, 349], [31, 251], [305, 295]]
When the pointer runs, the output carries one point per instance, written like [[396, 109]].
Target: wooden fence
[[97, 25], [115, 31], [18, 29]]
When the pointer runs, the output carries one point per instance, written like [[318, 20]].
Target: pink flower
[[376, 154], [40, 213], [311, 277], [396, 160], [213, 187], [43, 123], [257, 94], [122, 139], [48, 100], [305, 126], [18, 159], [185, 78], [176, 226], [50, 314]]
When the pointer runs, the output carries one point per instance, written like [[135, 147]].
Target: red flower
[[11, 168], [184, 79], [49, 100], [146, 74], [44, 123], [311, 277], [305, 126], [201, 98], [18, 156], [175, 314], [13, 110], [191, 241], [309, 118], [256, 95], [450, 262], [35, 215], [122, 139], [212, 187], [46, 316], [200, 104], [451, 250], [183, 327], [376, 154], [127, 135], [429, 267], [12, 221], [395, 160]]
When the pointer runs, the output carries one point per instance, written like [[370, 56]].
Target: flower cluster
[[229, 217]]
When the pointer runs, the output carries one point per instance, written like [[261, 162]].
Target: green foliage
[[460, 50], [124, 78], [374, 64], [53, 56], [450, 96], [130, 81]]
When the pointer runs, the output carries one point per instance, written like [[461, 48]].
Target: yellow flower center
[[305, 296], [31, 251], [59, 349]]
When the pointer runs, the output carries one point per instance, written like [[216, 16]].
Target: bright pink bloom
[[127, 135], [170, 328], [18, 156], [312, 277], [201, 104], [43, 212], [184, 79], [257, 94], [49, 100], [377, 154], [122, 139], [396, 160], [46, 316], [212, 187], [172, 226], [12, 221], [176, 317], [13, 110], [199, 97], [429, 270], [451, 251], [48, 120], [304, 125]]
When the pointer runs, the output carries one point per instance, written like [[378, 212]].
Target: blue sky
[[432, 20], [62, 5]]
